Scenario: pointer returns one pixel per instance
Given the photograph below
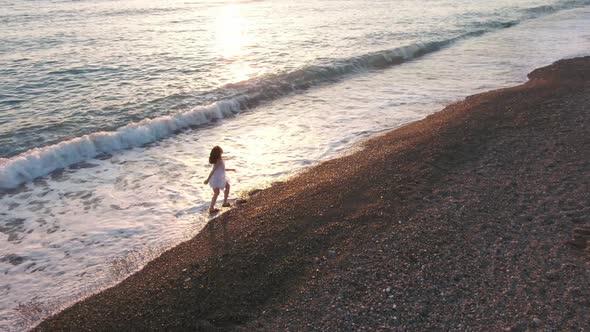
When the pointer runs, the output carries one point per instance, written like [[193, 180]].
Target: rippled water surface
[[108, 110]]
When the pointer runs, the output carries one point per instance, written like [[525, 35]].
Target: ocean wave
[[38, 162], [495, 24], [549, 9], [276, 85], [41, 161]]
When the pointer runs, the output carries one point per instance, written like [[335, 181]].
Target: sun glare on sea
[[231, 39]]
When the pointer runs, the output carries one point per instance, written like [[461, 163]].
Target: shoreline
[[473, 218]]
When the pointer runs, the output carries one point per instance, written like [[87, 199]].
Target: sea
[[109, 108]]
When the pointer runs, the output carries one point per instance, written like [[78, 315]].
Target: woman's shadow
[[218, 238]]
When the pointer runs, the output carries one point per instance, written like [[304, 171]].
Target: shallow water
[[309, 86]]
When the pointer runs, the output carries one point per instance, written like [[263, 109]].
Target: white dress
[[218, 179]]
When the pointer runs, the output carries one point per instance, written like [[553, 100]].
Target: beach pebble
[[552, 275], [254, 192], [206, 325], [520, 327], [536, 322]]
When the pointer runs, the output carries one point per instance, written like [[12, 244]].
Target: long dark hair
[[215, 155]]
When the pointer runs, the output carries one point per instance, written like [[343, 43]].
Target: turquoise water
[[108, 110]]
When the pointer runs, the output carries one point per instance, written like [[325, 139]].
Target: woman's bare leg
[[226, 193], [214, 199]]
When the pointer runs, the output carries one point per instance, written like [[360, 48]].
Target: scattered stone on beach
[[536, 322], [254, 192]]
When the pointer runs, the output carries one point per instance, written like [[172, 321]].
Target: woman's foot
[[226, 204], [214, 210]]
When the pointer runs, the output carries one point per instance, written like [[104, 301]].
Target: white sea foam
[[42, 161]]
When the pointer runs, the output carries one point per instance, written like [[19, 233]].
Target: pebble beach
[[474, 218]]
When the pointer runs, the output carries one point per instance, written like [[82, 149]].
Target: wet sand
[[475, 218]]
